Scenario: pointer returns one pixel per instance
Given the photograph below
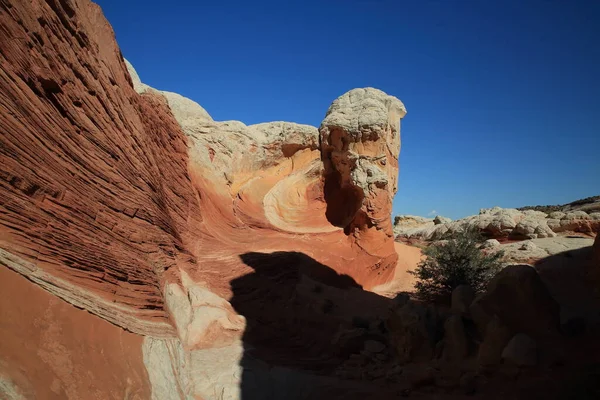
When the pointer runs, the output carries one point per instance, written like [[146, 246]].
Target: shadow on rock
[[573, 279], [303, 321]]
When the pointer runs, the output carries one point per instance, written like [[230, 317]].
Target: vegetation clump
[[459, 261]]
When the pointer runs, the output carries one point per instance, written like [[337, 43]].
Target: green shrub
[[458, 262]]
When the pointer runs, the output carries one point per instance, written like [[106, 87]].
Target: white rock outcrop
[[405, 225], [542, 247], [490, 244], [441, 220], [359, 130], [501, 223], [230, 147]]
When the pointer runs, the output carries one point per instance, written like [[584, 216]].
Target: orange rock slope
[[282, 199], [123, 200], [51, 350]]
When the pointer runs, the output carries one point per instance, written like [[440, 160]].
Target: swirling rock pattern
[[279, 177], [134, 204]]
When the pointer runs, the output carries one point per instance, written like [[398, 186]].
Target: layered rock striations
[[134, 204], [218, 260], [97, 202]]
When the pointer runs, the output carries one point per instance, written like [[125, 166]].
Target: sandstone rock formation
[[97, 202], [52, 350], [209, 259], [360, 145], [520, 299], [404, 225], [537, 249], [521, 350], [501, 223], [276, 174], [441, 220], [134, 204]]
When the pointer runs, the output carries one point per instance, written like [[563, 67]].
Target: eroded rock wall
[[360, 145], [275, 177], [96, 199], [134, 204]]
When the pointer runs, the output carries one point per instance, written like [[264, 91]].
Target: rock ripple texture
[[134, 204]]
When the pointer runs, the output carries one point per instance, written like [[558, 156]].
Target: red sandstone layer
[[97, 202], [94, 189], [103, 203], [51, 350]]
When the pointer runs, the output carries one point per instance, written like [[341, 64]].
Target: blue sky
[[503, 98]]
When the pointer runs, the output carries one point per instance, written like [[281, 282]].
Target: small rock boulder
[[532, 227], [456, 344], [495, 339], [414, 331], [520, 299], [556, 215], [573, 215], [553, 224], [528, 246], [462, 297], [490, 244], [374, 346], [501, 223], [521, 351], [534, 214], [419, 375], [595, 216], [441, 220]]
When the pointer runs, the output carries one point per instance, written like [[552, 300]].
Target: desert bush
[[460, 261]]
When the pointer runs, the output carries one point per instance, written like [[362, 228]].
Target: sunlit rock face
[[135, 205], [149, 251], [292, 179], [502, 223], [360, 145]]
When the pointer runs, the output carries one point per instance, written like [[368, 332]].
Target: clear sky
[[503, 97]]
